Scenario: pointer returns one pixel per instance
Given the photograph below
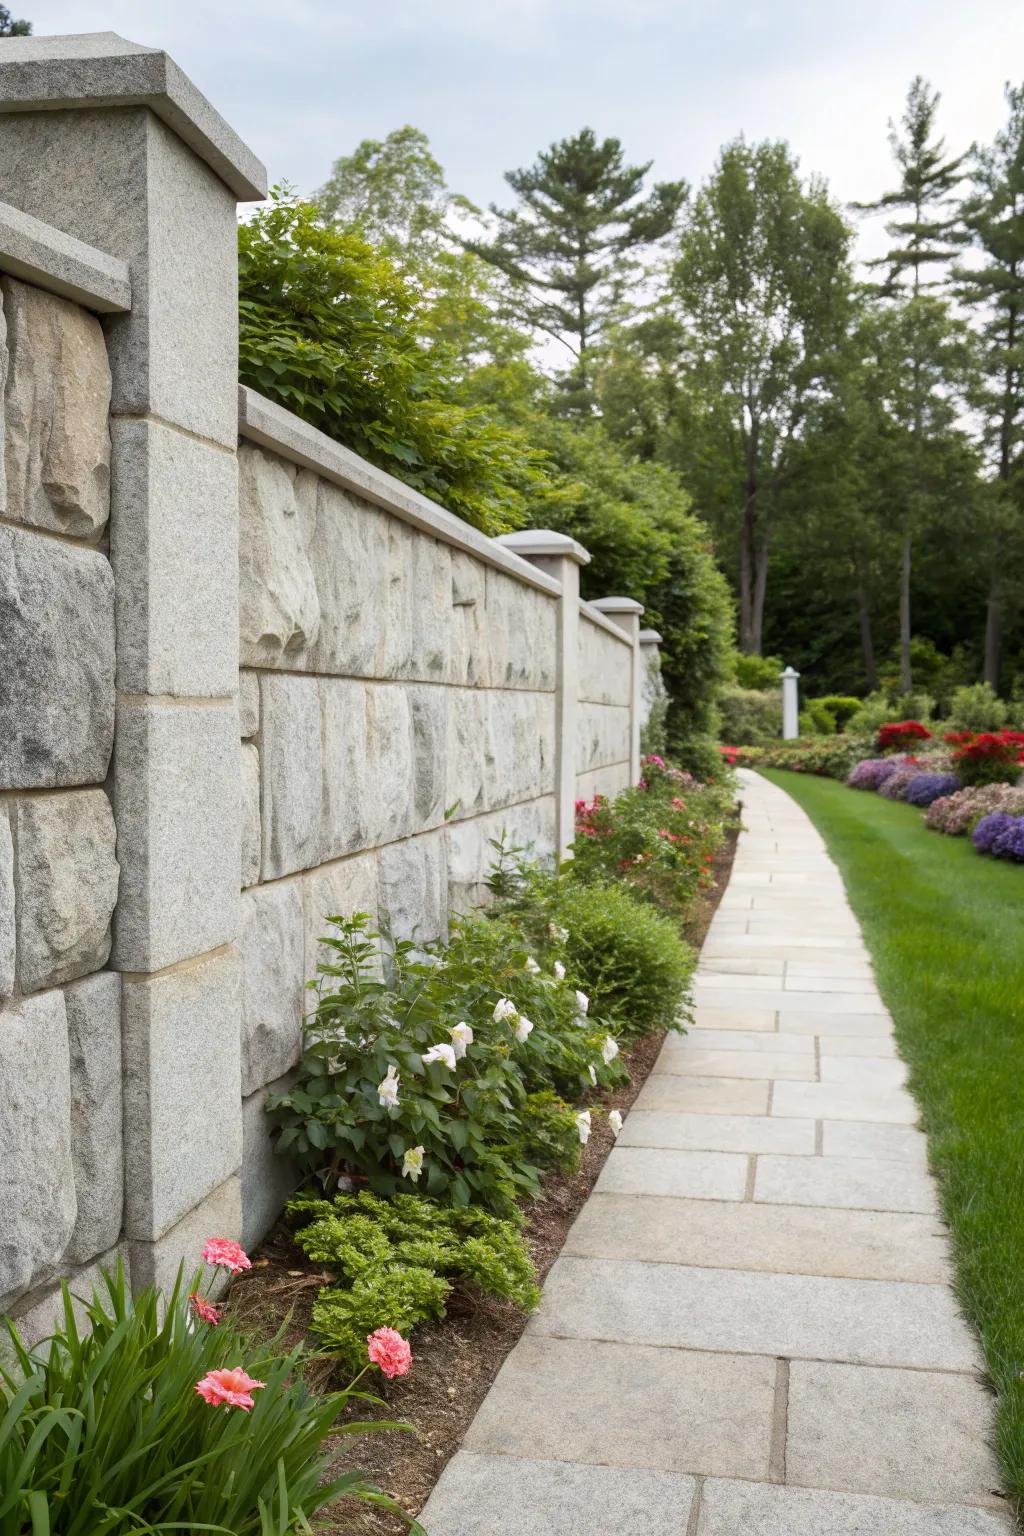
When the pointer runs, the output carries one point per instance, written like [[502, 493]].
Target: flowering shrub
[[394, 1264], [925, 788], [899, 735], [426, 1076], [956, 814], [895, 785], [1000, 835], [829, 757], [155, 1420], [872, 772], [987, 757]]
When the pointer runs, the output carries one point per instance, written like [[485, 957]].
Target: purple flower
[[873, 772], [896, 784], [991, 829], [1009, 843], [926, 787]]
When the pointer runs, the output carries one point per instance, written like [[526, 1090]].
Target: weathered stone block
[[36, 1316], [5, 359], [465, 752], [94, 1035], [602, 736], [218, 1215], [467, 651], [469, 855], [602, 781], [429, 609], [37, 1189], [400, 607], [348, 790], [279, 610], [520, 624], [66, 885], [605, 665], [178, 812], [414, 888], [349, 553], [57, 408], [290, 773], [267, 1179], [248, 704], [251, 825], [273, 1000], [177, 626], [7, 929], [182, 1071], [336, 890], [56, 662], [429, 713], [520, 749]]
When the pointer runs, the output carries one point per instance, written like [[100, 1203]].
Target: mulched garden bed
[[455, 1360]]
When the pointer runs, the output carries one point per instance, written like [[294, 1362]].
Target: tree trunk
[[993, 633], [747, 567], [760, 588], [906, 678], [867, 642]]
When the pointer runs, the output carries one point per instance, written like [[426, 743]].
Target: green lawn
[[946, 932]]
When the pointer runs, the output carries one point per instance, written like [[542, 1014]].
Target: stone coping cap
[[593, 613], [546, 542], [101, 69], [38, 253], [617, 605], [650, 637], [272, 426]]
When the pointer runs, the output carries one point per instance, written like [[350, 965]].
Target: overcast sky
[[492, 81]]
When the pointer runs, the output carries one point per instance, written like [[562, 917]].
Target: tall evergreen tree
[[925, 239], [574, 240], [993, 215]]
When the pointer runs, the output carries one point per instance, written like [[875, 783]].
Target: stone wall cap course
[[650, 637], [38, 253], [101, 69], [592, 612], [270, 425], [617, 605], [545, 541]]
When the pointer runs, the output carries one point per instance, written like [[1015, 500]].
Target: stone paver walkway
[[750, 1330]]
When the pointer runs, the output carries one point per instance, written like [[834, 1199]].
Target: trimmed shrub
[[841, 706], [977, 708], [924, 788], [750, 716], [817, 719], [758, 672], [827, 757]]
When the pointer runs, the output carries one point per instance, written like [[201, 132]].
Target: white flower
[[523, 1028], [560, 935], [559, 971], [504, 1008], [412, 1163], [593, 1076], [583, 1126], [615, 1120], [532, 966], [443, 1052], [387, 1090], [582, 1003], [609, 1050], [462, 1039]]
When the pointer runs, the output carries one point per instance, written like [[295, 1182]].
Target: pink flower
[[390, 1351], [228, 1389], [225, 1254], [204, 1309]]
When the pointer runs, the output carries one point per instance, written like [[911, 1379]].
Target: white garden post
[[790, 704]]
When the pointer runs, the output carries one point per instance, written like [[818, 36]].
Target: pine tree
[[574, 241], [924, 243]]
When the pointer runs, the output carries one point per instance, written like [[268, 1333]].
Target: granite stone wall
[[605, 701]]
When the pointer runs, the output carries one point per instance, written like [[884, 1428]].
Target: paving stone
[[695, 1062], [861, 1138], [737, 967], [629, 1406], [871, 1071], [761, 1019], [758, 1509], [869, 1322], [800, 1240], [509, 1496], [844, 1101], [717, 1133], [851, 1183], [709, 981], [709, 1038], [829, 1004], [703, 1095], [825, 1026], [657, 1171], [908, 1434], [821, 983], [858, 1045]]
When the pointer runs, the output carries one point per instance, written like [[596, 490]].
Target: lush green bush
[[758, 672], [427, 1073], [102, 1432], [750, 717], [816, 719], [828, 757], [842, 707], [977, 708], [395, 1263]]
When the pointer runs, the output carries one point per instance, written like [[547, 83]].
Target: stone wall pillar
[[558, 555], [652, 689], [111, 143], [625, 612], [790, 704]]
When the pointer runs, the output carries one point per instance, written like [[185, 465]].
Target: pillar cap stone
[[101, 69], [546, 542], [617, 605], [790, 672], [650, 637]]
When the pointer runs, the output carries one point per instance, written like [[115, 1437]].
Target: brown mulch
[[455, 1360]]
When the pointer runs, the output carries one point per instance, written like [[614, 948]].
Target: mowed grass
[[945, 928]]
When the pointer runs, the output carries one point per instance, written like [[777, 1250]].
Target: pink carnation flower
[[204, 1309], [225, 1254], [390, 1351], [228, 1389]]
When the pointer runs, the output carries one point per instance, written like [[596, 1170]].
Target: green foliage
[[758, 672], [842, 707], [11, 28], [816, 719], [330, 328], [827, 757], [750, 716], [879, 708], [463, 1120], [395, 1263], [102, 1431], [977, 708]]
